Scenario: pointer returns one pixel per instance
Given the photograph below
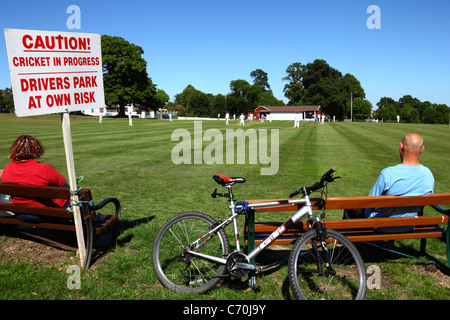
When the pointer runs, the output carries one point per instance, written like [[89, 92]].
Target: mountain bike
[[192, 253]]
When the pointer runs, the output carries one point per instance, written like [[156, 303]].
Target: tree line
[[412, 110], [126, 81], [315, 83], [242, 97]]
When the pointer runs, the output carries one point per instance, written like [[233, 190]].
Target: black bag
[[353, 214]]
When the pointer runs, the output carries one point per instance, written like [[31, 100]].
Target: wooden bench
[[57, 218], [357, 230]]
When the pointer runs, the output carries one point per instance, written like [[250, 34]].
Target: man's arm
[[377, 190]]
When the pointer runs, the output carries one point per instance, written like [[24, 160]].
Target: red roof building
[[310, 113]]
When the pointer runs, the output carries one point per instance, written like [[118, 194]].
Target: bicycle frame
[[306, 209]]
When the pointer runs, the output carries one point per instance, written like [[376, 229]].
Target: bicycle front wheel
[[182, 272], [311, 277]]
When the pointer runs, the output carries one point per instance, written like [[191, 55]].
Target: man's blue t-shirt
[[401, 180]]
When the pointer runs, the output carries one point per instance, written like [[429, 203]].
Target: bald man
[[409, 178]]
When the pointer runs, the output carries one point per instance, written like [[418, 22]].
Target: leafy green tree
[[161, 99], [362, 109], [412, 102], [409, 114], [6, 99], [267, 99], [198, 104], [183, 97], [387, 113], [318, 83], [261, 79], [125, 75], [243, 96], [430, 115], [436, 114], [386, 101], [412, 110], [443, 113], [218, 105], [351, 84], [317, 70], [294, 89]]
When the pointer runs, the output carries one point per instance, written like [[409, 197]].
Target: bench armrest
[[105, 202], [439, 209]]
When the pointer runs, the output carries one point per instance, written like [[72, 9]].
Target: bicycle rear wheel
[[182, 272], [311, 278]]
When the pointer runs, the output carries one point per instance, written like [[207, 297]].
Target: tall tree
[[161, 99], [362, 108], [6, 99], [409, 114], [261, 79], [319, 84], [294, 89], [198, 104], [218, 105], [243, 96], [183, 97], [125, 75], [386, 113]]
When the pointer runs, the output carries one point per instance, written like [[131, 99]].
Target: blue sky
[[209, 43]]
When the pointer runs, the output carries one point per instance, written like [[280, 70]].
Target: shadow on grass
[[277, 257]]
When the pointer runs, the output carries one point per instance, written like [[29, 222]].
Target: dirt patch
[[22, 250], [442, 280]]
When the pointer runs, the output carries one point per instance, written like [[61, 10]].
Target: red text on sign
[[85, 82], [39, 84], [31, 61], [58, 100], [89, 61], [55, 43], [84, 97]]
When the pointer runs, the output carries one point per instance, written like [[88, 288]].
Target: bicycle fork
[[321, 231]]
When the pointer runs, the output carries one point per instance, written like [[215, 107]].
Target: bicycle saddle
[[224, 180]]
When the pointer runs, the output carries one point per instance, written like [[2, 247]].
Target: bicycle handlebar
[[327, 177]]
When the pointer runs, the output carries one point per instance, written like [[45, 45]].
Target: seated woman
[[26, 170]]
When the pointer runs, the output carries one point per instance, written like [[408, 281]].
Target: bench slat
[[359, 223], [38, 211], [368, 236], [43, 225], [28, 191], [365, 202]]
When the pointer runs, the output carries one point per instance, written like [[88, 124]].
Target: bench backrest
[[39, 192], [366, 202]]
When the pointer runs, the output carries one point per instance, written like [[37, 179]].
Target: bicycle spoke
[[179, 270], [314, 276]]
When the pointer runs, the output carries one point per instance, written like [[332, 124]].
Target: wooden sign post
[[67, 136]]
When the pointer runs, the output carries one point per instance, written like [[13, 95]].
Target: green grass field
[[134, 164]]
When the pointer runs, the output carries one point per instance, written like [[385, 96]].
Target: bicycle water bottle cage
[[227, 181]]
